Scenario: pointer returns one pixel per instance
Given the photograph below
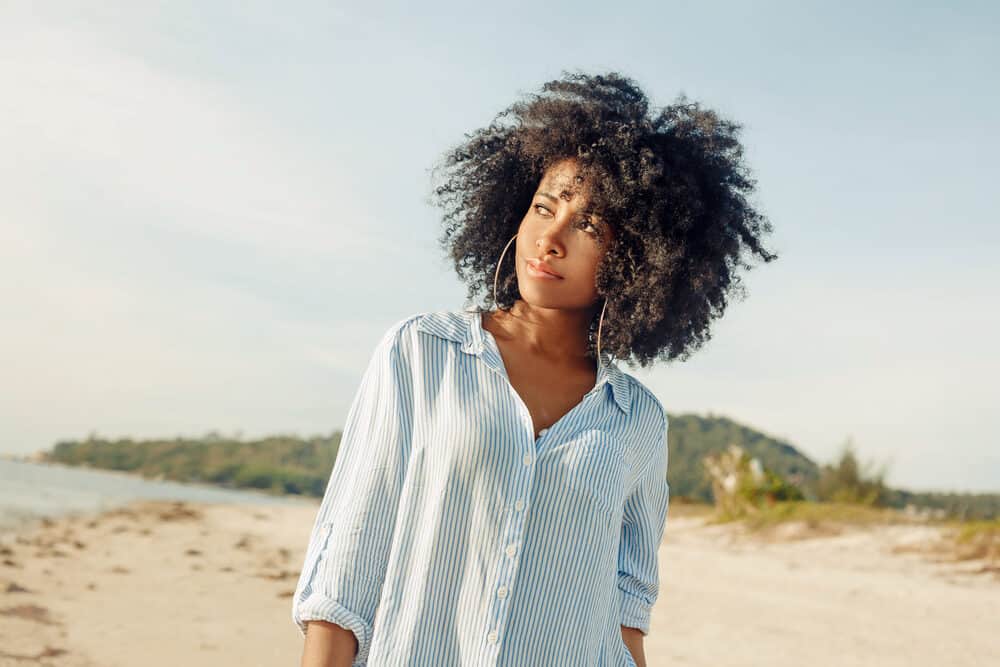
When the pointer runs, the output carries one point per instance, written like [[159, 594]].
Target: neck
[[553, 333]]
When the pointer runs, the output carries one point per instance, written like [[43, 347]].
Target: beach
[[167, 583]]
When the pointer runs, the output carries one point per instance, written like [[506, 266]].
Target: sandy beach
[[166, 583]]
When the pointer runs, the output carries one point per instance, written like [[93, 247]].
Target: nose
[[552, 236]]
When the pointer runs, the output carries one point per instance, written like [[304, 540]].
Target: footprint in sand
[[29, 612], [14, 587]]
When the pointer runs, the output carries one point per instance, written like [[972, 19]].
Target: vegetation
[[814, 514], [741, 486], [690, 438], [295, 465], [280, 464], [849, 482], [978, 539]]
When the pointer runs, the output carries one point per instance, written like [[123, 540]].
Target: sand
[[162, 583]]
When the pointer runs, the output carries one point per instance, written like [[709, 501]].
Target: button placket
[[508, 562]]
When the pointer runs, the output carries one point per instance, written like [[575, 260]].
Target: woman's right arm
[[348, 551], [328, 645]]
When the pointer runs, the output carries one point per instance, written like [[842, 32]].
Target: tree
[[849, 482]]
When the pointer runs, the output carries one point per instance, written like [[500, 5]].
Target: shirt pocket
[[595, 467]]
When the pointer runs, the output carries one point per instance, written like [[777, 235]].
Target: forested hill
[[279, 464], [289, 464], [691, 437]]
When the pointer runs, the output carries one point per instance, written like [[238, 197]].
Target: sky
[[210, 212]]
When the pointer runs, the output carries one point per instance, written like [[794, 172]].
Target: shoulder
[[649, 418], [645, 404], [401, 328], [403, 334], [395, 342]]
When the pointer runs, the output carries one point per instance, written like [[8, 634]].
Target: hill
[[691, 437], [295, 465]]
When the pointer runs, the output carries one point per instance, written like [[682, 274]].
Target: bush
[[741, 485], [848, 482]]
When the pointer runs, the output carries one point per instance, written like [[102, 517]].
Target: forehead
[[562, 179]]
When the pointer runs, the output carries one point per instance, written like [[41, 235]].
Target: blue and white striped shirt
[[449, 535]]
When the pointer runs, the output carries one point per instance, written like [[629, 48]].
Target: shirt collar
[[466, 328]]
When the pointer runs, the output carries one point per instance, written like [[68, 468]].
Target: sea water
[[30, 491]]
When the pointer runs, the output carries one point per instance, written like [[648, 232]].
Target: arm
[[328, 645], [642, 530], [348, 550], [633, 640]]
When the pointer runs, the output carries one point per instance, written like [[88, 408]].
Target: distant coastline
[[31, 491], [288, 465]]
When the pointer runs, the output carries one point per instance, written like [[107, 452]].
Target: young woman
[[500, 492]]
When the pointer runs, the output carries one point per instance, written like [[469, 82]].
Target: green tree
[[847, 481]]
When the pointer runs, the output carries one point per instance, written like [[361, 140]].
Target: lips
[[539, 265]]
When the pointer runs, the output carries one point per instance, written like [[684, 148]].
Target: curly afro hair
[[672, 185]]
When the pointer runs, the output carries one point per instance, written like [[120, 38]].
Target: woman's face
[[559, 230]]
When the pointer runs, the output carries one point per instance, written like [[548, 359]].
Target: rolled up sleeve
[[348, 550], [642, 530]]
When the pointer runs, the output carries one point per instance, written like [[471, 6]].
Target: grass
[[970, 540], [814, 514], [976, 539]]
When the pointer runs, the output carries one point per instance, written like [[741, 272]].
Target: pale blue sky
[[189, 191]]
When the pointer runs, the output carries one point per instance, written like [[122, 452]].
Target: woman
[[500, 492]]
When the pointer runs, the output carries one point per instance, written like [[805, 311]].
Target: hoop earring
[[497, 274], [496, 277], [600, 323]]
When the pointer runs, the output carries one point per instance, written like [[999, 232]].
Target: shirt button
[[519, 504], [511, 550], [492, 637], [543, 431], [527, 459], [502, 592]]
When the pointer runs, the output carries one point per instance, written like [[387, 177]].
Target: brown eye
[[539, 206]]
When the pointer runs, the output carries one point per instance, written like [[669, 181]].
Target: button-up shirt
[[450, 535]]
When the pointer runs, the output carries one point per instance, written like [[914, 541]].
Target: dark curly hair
[[672, 185]]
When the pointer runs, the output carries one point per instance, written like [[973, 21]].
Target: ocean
[[31, 491]]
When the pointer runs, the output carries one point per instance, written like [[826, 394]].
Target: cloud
[[92, 126], [157, 235]]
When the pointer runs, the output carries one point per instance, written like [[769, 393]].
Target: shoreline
[[82, 498]]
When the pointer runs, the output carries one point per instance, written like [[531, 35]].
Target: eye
[[585, 223]]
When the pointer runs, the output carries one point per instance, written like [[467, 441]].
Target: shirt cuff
[[317, 607], [634, 612]]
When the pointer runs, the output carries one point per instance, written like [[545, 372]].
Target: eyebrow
[[588, 211]]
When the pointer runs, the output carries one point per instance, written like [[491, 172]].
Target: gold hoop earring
[[600, 323], [496, 277], [497, 274]]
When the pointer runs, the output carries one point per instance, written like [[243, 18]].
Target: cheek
[[591, 257], [525, 243], [584, 272]]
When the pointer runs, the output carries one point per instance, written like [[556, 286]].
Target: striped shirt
[[449, 535]]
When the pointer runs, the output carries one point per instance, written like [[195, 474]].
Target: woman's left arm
[[633, 640], [643, 524]]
